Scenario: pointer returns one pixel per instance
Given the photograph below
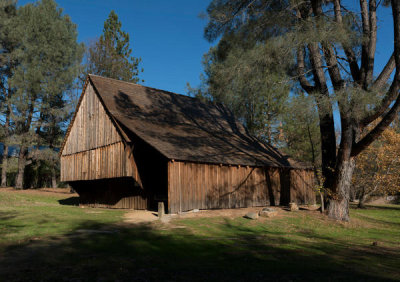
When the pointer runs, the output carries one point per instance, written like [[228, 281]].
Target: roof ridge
[[148, 87]]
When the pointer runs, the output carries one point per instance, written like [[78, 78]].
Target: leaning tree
[[332, 45]]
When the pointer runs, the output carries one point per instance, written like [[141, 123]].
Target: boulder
[[251, 215], [269, 209], [293, 207], [268, 212]]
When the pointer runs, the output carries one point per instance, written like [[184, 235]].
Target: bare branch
[[351, 57], [329, 53], [318, 70], [385, 74], [305, 84], [390, 96], [371, 44], [365, 40], [392, 113]]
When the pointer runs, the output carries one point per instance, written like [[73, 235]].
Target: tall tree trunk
[[338, 204], [339, 192], [4, 167], [23, 152], [19, 182], [53, 178], [4, 159], [361, 201]]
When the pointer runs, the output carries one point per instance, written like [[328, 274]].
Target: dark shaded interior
[[285, 180], [152, 170], [108, 192]]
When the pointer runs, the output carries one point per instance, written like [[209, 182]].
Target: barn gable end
[[91, 127], [94, 148]]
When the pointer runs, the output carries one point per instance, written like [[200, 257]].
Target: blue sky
[[168, 35]]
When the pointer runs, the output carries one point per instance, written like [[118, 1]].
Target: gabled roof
[[184, 128]]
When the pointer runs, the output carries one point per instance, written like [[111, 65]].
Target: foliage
[[300, 130], [378, 167], [47, 56], [8, 61], [249, 80], [328, 51], [110, 55]]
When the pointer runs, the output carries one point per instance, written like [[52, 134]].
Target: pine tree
[[49, 56], [110, 55], [8, 44], [300, 132], [246, 77]]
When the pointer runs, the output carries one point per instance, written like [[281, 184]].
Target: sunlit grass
[[40, 236]]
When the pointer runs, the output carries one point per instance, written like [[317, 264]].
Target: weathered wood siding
[[96, 161], [206, 186], [92, 127], [302, 186], [110, 161], [94, 149]]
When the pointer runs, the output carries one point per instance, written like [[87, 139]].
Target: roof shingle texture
[[184, 128]]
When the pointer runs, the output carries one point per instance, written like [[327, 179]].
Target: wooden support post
[[161, 210]]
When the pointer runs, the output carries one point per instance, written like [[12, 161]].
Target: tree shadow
[[185, 127], [95, 252], [381, 207], [7, 215], [71, 201]]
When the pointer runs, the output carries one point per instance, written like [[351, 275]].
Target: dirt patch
[[138, 216], [229, 213], [378, 201], [150, 216]]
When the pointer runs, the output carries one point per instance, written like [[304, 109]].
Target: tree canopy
[[110, 55], [328, 50], [45, 56]]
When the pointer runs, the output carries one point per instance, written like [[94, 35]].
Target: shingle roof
[[184, 128]]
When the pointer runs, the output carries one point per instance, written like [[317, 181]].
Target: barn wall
[[302, 186], [206, 186], [114, 160]]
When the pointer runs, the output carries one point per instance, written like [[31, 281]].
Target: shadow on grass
[[379, 221], [7, 226], [7, 215], [95, 252], [71, 201], [384, 207], [392, 207]]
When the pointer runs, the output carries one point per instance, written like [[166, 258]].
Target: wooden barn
[[130, 146]]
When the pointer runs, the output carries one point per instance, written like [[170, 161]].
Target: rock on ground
[[251, 215], [293, 207], [268, 212]]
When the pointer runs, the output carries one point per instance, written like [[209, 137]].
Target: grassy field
[[43, 236]]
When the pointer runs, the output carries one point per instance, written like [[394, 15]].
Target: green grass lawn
[[43, 237]]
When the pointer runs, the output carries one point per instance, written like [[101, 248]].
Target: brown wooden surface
[[92, 127], [114, 160], [302, 188], [206, 186], [94, 149]]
